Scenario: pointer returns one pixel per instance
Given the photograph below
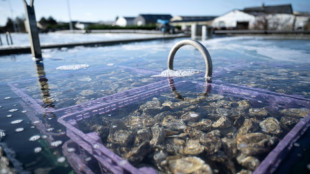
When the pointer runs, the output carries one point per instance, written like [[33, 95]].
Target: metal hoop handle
[[201, 49]]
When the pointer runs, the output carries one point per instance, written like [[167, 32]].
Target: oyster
[[211, 141], [139, 121], [137, 154], [193, 165], [295, 112], [120, 134], [243, 105], [248, 162], [289, 122], [247, 127], [203, 125], [260, 112], [192, 147], [159, 157], [158, 134], [222, 122], [174, 145], [190, 117], [270, 125], [170, 122], [255, 143], [143, 135], [230, 146]]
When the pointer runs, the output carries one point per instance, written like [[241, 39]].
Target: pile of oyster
[[213, 134]]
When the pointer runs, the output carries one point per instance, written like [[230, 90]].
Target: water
[[34, 96], [21, 39]]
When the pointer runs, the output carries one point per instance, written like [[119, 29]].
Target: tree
[[50, 20], [9, 26]]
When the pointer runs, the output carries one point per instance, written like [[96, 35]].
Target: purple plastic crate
[[77, 160], [91, 141]]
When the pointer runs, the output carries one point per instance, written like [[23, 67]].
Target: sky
[[108, 10]]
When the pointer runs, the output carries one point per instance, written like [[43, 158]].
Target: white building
[[124, 21], [235, 19]]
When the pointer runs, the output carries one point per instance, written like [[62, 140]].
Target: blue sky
[[103, 10]]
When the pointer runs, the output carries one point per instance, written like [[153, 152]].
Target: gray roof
[[195, 18], [152, 18], [129, 18], [270, 9]]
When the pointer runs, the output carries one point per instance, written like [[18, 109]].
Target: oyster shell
[[248, 162], [211, 141], [295, 112], [289, 122], [192, 147], [190, 116], [159, 157], [270, 125], [255, 143], [260, 112], [203, 125], [143, 135], [222, 122], [158, 134], [174, 145], [193, 165], [170, 122], [137, 154], [229, 146]]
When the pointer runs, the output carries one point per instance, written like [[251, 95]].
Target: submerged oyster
[[159, 157], [248, 162], [222, 122], [170, 122], [260, 112], [143, 135], [158, 134], [255, 143], [203, 125], [174, 145], [190, 116], [192, 147], [211, 141], [188, 165], [137, 154], [296, 112], [139, 121], [270, 125]]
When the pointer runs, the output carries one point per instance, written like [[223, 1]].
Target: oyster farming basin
[[113, 110]]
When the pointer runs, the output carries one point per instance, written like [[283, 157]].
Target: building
[[270, 9], [186, 21], [149, 19], [124, 21], [235, 19]]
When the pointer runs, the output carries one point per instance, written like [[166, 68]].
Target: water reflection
[[205, 93], [43, 83]]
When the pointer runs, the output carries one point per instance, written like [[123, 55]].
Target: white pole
[[69, 13], [193, 30]]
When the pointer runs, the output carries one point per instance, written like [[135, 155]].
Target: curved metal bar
[[201, 49], [205, 92]]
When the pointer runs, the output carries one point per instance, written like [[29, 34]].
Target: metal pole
[[204, 32], [193, 30], [69, 12], [33, 30]]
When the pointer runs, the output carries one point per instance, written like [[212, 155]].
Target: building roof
[[194, 18], [152, 18], [129, 18], [270, 9]]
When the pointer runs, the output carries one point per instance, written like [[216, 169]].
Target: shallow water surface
[[54, 113]]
